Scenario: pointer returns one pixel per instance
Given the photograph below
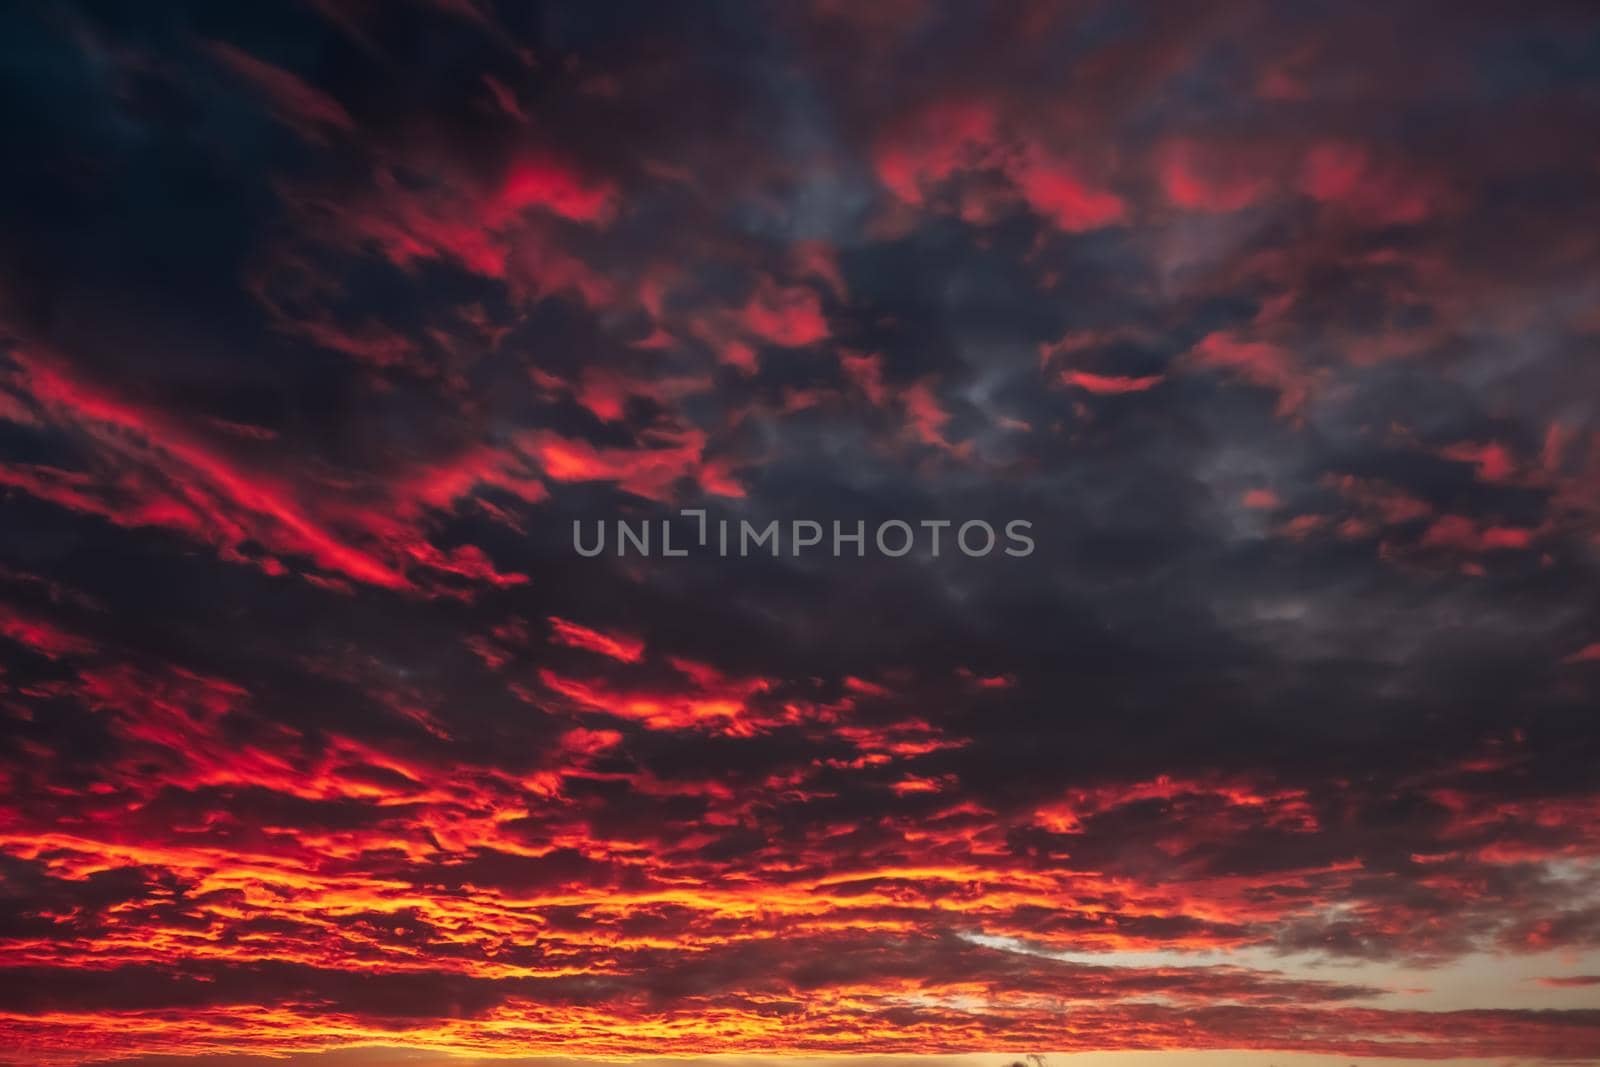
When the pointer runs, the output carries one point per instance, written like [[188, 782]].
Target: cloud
[[322, 328]]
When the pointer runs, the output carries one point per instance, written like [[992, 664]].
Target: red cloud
[[1111, 384], [1258, 363], [310, 112], [1346, 177], [1468, 535], [1201, 177], [544, 183], [148, 470], [1261, 499], [790, 317], [45, 638], [946, 141], [649, 471], [1493, 460], [619, 647]]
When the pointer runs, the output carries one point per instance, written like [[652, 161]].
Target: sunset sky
[[323, 321]]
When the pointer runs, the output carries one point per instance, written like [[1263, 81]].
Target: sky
[[324, 324]]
